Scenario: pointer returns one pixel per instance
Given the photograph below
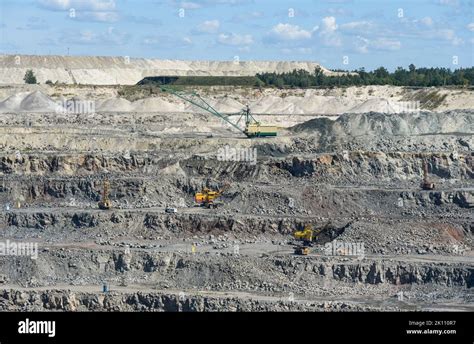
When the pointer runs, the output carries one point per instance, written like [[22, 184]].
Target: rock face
[[96, 70], [66, 300], [213, 272], [84, 271]]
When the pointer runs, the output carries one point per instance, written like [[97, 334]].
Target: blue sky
[[340, 34]]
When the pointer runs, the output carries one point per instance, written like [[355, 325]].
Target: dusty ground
[[359, 173], [281, 104]]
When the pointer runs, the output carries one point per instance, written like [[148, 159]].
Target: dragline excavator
[[250, 126]]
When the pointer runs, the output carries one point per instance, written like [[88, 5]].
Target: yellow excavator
[[208, 198], [307, 236], [105, 203]]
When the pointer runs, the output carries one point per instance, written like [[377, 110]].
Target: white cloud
[[386, 44], [301, 50], [191, 5], [357, 26], [329, 24], [363, 45], [288, 32], [235, 39], [228, 2], [104, 17], [188, 5], [209, 26], [446, 35], [427, 21], [166, 41], [84, 5], [87, 37], [329, 34], [457, 41], [332, 40], [448, 2], [58, 5], [294, 35], [426, 28], [85, 10], [470, 26]]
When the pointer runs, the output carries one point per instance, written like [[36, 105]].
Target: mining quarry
[[138, 200]]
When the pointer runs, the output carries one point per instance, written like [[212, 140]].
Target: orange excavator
[[208, 198]]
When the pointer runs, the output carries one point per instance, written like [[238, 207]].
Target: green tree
[[382, 76], [30, 77], [318, 76], [279, 82]]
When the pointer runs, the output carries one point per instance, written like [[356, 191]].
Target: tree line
[[424, 77]]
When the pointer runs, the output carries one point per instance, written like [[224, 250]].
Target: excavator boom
[[252, 128], [195, 99]]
